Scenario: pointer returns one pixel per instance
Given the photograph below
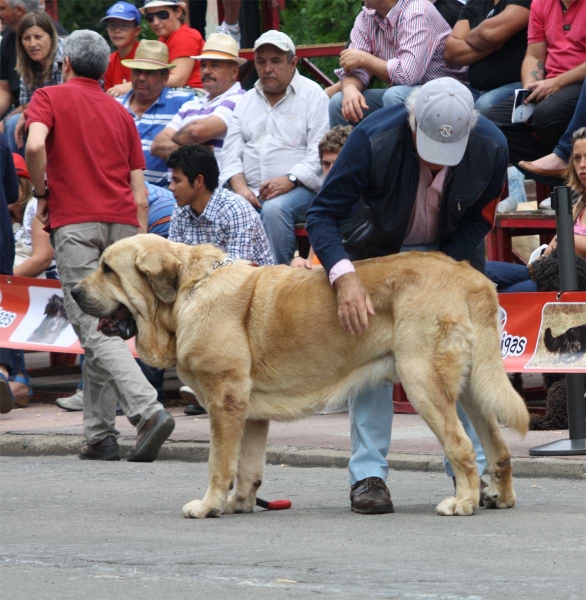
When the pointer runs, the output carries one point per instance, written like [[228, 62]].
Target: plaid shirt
[[411, 38], [229, 222], [55, 78]]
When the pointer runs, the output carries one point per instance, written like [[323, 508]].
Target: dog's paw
[[463, 507], [197, 509], [237, 504], [494, 499]]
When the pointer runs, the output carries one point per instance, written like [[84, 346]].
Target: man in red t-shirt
[[123, 24], [87, 147], [554, 69]]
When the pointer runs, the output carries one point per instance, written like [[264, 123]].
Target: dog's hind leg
[[227, 411], [250, 467]]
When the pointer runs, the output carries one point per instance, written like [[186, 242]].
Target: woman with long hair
[[38, 61], [167, 20]]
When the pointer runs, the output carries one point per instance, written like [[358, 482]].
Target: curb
[[26, 444]]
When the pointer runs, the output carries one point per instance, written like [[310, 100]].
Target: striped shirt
[[55, 78], [161, 206], [153, 121], [229, 222], [411, 38], [221, 106]]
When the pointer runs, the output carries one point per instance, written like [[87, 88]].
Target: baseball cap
[[124, 11], [157, 3], [275, 38], [444, 112], [20, 165]]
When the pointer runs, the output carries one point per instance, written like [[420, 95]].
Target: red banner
[[541, 332]]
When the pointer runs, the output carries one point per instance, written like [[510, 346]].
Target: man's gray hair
[[88, 53], [410, 106], [28, 5]]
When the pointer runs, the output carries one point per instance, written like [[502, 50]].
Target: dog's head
[[135, 288]]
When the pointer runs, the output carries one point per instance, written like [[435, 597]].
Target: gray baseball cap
[[444, 112]]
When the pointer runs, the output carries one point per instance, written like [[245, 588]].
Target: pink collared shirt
[[424, 220]]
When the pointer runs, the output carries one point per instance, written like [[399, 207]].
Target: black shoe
[[483, 485], [193, 410], [106, 449], [151, 437], [371, 496]]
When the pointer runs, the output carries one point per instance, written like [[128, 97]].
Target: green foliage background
[[320, 22]]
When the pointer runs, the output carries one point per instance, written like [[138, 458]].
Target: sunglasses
[[162, 15], [121, 26]]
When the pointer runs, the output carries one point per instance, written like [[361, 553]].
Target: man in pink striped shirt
[[402, 43]]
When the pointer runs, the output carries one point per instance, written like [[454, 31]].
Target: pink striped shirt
[[411, 38]]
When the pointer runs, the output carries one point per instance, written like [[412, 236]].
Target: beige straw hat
[[150, 56], [220, 46]]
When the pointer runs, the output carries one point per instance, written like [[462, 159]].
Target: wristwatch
[[293, 179], [41, 196]]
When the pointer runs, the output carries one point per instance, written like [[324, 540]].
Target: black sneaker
[[106, 449], [193, 410]]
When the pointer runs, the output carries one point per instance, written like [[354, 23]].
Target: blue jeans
[[483, 100], [9, 129], [371, 421], [509, 277], [564, 148], [279, 217], [375, 99]]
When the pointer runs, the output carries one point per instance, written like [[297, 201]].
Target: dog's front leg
[[227, 419]]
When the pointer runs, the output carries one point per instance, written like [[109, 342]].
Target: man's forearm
[[141, 200], [377, 66], [36, 160], [533, 69], [351, 81], [163, 144], [238, 182]]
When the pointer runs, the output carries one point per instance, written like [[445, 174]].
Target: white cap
[[444, 111], [275, 38]]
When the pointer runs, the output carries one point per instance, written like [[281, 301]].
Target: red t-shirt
[[186, 42], [565, 35], [116, 73], [92, 146]]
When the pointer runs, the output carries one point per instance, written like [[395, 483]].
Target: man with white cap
[[151, 103], [205, 120], [425, 176], [270, 155]]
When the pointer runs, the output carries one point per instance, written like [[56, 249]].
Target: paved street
[[96, 531]]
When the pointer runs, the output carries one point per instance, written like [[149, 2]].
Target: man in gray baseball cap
[[424, 176]]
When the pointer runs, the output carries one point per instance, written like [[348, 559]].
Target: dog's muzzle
[[120, 324]]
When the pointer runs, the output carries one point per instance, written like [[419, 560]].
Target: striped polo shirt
[[152, 122], [161, 206], [221, 106]]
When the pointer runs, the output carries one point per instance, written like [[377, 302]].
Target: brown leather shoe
[[546, 176], [151, 437], [106, 449], [483, 485], [371, 496]]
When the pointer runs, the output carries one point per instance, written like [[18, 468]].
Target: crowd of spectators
[[161, 137]]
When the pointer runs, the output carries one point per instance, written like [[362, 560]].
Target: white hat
[[444, 112], [157, 3], [220, 46], [275, 38]]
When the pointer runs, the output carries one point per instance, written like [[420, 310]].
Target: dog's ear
[[162, 272]]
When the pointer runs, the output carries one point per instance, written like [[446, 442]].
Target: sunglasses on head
[[162, 15]]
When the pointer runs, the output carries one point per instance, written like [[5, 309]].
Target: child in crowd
[[329, 148], [123, 24]]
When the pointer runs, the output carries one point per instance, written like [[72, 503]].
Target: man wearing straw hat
[[206, 120], [151, 103]]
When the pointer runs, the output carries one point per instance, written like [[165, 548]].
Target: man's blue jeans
[[375, 99], [509, 277], [9, 129], [279, 217], [483, 100], [371, 421]]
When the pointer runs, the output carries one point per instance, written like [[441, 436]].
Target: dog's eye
[[106, 268]]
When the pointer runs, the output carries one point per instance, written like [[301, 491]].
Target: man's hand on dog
[[354, 304]]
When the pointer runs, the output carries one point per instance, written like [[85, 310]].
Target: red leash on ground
[[273, 504]]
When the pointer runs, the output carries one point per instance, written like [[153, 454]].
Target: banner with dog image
[[33, 317], [540, 332]]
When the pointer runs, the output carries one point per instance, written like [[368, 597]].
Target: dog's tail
[[491, 388], [550, 341]]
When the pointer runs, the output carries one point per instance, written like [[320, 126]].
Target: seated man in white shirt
[[205, 120], [270, 155]]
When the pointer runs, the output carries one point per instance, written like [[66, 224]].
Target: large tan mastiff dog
[[263, 343]]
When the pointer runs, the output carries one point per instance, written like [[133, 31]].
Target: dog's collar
[[223, 263]]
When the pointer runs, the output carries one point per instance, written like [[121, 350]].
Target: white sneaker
[[232, 30], [507, 205], [545, 203], [71, 403]]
